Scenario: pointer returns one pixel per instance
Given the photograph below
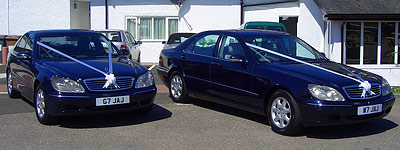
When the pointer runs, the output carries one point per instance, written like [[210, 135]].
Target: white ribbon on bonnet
[[109, 77], [364, 84]]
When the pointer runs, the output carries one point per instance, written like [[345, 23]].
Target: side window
[[189, 48], [21, 45], [29, 45], [128, 39], [230, 46], [205, 45]]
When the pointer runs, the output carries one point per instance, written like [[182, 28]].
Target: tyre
[[41, 107], [284, 114], [177, 88], [12, 93]]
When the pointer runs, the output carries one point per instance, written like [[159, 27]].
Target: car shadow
[[321, 132], [350, 131], [229, 110], [114, 119]]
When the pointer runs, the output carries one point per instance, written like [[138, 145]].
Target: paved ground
[[198, 125]]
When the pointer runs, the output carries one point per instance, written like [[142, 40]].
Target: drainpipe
[[241, 12], [106, 15]]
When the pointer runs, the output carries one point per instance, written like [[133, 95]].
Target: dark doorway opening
[[290, 24]]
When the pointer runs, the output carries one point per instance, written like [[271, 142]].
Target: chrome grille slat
[[354, 91], [96, 84]]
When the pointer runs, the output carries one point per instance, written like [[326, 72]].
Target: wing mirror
[[125, 52], [138, 42], [23, 56], [164, 42], [237, 59]]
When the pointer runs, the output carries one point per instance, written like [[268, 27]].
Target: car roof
[[40, 32], [249, 32]]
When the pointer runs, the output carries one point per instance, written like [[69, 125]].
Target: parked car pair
[[71, 72], [124, 40], [273, 74]]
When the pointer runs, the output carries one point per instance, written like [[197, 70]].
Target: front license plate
[[105, 101], [371, 109]]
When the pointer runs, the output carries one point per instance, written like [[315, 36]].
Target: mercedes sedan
[[273, 74], [71, 72]]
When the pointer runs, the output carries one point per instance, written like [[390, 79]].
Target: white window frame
[[379, 46], [152, 28]]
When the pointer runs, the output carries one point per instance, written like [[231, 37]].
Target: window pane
[[132, 26], [370, 42], [388, 42], [353, 33], [145, 28], [230, 48], [172, 26], [159, 28], [206, 45]]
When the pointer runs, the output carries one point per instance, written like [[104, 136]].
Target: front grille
[[355, 92], [96, 84]]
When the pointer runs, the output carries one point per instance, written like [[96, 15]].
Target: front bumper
[[317, 113], [85, 103]]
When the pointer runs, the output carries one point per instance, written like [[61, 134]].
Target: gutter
[[106, 15]]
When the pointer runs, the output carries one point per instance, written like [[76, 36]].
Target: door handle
[[215, 63], [183, 56]]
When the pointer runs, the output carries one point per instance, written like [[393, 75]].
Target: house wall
[[194, 16], [26, 15], [311, 25], [270, 12], [80, 18], [4, 17]]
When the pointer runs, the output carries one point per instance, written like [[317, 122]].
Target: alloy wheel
[[176, 86], [40, 104], [9, 83], [280, 112]]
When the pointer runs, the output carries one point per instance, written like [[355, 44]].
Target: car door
[[196, 61], [22, 68], [133, 46], [231, 81]]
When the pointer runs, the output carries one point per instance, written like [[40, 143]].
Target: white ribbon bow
[[366, 89], [110, 80]]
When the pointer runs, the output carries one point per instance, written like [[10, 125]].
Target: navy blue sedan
[[70, 72], [273, 74]]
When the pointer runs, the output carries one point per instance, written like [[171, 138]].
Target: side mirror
[[138, 42], [125, 52], [164, 42], [23, 56], [237, 59]]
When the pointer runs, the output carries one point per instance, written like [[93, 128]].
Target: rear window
[[254, 27], [114, 36], [275, 28]]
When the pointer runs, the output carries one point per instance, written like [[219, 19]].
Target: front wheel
[[41, 107], [12, 93], [177, 88], [284, 114]]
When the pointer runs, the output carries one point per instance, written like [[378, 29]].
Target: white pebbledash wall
[[21, 16], [194, 16]]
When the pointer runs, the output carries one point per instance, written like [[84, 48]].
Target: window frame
[[379, 45], [137, 28]]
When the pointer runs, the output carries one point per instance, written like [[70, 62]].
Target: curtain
[[159, 28], [132, 26], [145, 28], [172, 26]]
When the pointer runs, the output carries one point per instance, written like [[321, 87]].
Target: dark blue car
[[70, 72], [273, 74]]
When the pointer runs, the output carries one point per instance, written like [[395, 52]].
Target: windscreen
[[284, 44], [75, 45]]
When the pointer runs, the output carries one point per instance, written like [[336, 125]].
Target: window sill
[[382, 66]]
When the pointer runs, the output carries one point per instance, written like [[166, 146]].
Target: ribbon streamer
[[109, 77], [364, 84]]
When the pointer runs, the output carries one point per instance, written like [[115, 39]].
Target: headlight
[[66, 85], [325, 93], [145, 80], [386, 90]]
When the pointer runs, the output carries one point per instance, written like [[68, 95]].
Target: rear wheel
[[284, 114], [177, 88], [12, 93], [41, 107]]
